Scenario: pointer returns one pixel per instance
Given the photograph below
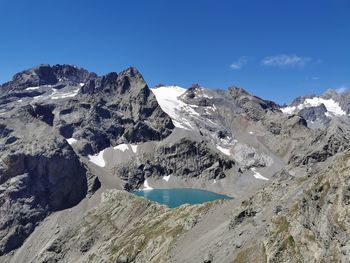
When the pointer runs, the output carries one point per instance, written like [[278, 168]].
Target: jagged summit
[[45, 109], [47, 75]]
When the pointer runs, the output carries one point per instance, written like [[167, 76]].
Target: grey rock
[[122, 259], [39, 173], [314, 113], [185, 158], [208, 258], [254, 107]]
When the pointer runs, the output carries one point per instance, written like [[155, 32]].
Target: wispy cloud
[[342, 89], [285, 61], [239, 63]]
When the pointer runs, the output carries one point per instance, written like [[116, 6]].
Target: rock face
[[113, 109], [314, 113], [253, 106], [43, 107], [39, 173], [334, 139], [295, 231], [46, 75], [185, 158], [97, 111]]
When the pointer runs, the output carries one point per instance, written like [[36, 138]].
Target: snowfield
[[123, 147], [146, 186], [223, 150], [57, 95], [187, 116], [258, 175], [168, 100], [71, 141], [98, 159], [166, 177], [333, 108], [32, 88]]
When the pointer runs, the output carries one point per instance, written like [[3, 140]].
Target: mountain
[[46, 108], [73, 144]]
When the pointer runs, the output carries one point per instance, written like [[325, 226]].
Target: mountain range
[[74, 145]]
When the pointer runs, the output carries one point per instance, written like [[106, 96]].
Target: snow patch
[[98, 159], [123, 147], [258, 175], [288, 110], [166, 178], [71, 141], [133, 148], [32, 88], [56, 95], [223, 150], [146, 186], [251, 132], [214, 182]]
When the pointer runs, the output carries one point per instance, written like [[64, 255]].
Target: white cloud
[[239, 63], [285, 61], [315, 78], [342, 89]]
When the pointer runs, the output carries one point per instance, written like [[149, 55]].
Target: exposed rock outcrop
[[113, 109], [123, 228], [41, 108], [39, 173], [184, 158], [310, 223]]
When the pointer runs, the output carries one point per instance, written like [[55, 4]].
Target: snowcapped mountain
[[320, 110], [69, 138], [196, 115], [332, 107]]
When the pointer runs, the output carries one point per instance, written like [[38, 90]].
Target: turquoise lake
[[179, 196]]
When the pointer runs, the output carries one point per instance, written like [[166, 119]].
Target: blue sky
[[275, 49]]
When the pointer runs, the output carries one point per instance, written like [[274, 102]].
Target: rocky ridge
[[68, 136], [41, 109]]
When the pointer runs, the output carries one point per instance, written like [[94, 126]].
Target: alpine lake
[[179, 196]]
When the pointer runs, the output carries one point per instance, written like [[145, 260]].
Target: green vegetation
[[91, 257], [310, 237], [281, 224], [291, 241], [165, 228], [252, 254]]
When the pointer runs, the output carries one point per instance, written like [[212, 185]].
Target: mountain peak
[[236, 92], [45, 74]]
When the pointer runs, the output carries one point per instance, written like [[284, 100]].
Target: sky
[[277, 50]]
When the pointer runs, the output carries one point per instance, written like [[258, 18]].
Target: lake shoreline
[[174, 197]]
